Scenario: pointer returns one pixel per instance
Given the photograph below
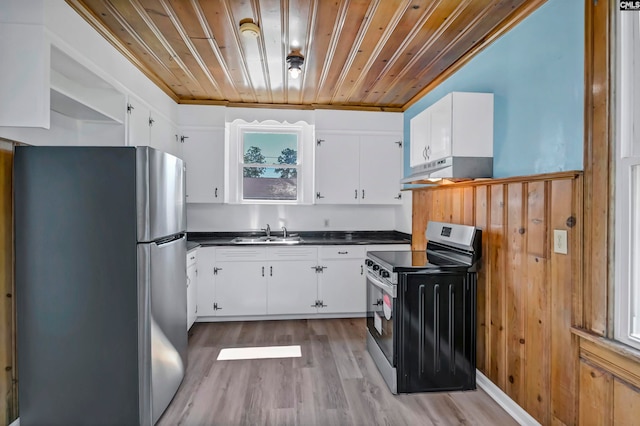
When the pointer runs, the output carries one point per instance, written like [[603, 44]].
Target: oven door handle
[[387, 288]]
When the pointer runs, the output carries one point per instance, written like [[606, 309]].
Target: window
[[270, 162], [270, 166], [627, 207]]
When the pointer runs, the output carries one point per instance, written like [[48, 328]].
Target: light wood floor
[[335, 382]]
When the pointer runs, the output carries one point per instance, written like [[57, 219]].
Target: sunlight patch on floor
[[229, 354]]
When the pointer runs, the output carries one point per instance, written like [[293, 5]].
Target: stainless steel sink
[[294, 239]]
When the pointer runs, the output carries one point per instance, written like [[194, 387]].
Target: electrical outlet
[[560, 241]]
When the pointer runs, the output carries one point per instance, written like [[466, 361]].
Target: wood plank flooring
[[335, 382]]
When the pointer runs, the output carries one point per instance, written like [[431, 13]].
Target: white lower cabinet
[[192, 287], [292, 280], [240, 281], [341, 285], [301, 280], [206, 281], [292, 287], [241, 288]]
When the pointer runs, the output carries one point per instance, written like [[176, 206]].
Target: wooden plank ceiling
[[379, 54]]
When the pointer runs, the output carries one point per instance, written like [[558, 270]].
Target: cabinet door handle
[[424, 153], [215, 270], [318, 195], [363, 194], [188, 281], [216, 192], [270, 271], [356, 197], [361, 270], [343, 252], [263, 271], [428, 152]]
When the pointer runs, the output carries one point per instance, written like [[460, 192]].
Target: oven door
[[381, 312]]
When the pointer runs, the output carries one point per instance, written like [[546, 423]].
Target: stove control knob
[[369, 263], [384, 274], [376, 267]]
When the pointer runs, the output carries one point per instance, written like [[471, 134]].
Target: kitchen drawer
[[239, 254], [292, 253], [192, 257], [342, 252], [389, 247]]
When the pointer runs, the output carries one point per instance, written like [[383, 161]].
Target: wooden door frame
[[599, 177]]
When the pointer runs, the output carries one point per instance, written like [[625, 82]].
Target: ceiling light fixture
[[295, 61], [249, 29]]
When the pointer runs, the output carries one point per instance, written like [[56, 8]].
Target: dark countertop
[[309, 237], [192, 244]]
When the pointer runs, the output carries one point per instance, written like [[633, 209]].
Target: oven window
[[380, 318]]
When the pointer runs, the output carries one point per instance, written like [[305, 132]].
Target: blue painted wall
[[536, 73]]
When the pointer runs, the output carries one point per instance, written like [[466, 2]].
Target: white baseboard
[[503, 400], [280, 317]]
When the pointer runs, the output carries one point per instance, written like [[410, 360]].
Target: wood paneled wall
[[8, 395], [526, 292]]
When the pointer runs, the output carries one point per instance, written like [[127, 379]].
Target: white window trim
[[627, 301], [234, 160]]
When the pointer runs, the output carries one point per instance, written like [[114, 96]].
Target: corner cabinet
[[460, 125], [203, 154], [358, 168]]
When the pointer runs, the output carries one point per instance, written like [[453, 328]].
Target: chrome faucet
[[267, 230], [284, 232]]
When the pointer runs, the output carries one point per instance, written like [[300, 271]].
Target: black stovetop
[[412, 261]]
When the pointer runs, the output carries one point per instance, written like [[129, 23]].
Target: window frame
[[235, 159], [627, 159]]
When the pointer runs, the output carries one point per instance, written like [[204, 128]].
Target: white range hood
[[452, 168]]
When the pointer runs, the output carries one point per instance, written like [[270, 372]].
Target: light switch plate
[[560, 241]]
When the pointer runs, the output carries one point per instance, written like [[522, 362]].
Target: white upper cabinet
[[459, 125], [358, 168], [337, 168], [138, 128], [146, 127], [358, 157], [203, 153], [380, 169], [164, 135]]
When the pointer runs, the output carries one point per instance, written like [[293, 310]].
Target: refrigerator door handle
[[170, 239]]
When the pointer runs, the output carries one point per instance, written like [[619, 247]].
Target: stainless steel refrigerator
[[100, 275]]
